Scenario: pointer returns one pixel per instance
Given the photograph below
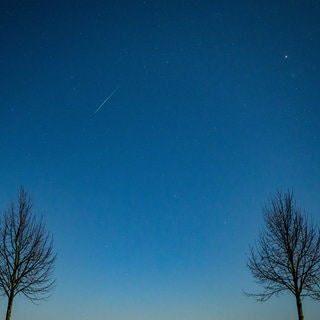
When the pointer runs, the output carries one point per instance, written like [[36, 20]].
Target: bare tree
[[26, 254], [287, 256]]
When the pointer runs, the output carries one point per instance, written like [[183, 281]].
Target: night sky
[[155, 196]]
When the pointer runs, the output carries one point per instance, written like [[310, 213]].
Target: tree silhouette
[[26, 254], [287, 255]]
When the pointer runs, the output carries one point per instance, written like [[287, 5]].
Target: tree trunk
[[9, 307], [299, 307]]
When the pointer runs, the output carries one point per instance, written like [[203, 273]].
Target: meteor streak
[[106, 100]]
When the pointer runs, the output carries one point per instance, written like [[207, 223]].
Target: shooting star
[[106, 100]]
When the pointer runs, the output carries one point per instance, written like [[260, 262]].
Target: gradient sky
[[154, 199]]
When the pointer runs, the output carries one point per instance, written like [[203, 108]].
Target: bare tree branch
[[287, 256], [26, 254]]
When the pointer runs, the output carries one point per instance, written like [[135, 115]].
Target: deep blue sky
[[154, 200]]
